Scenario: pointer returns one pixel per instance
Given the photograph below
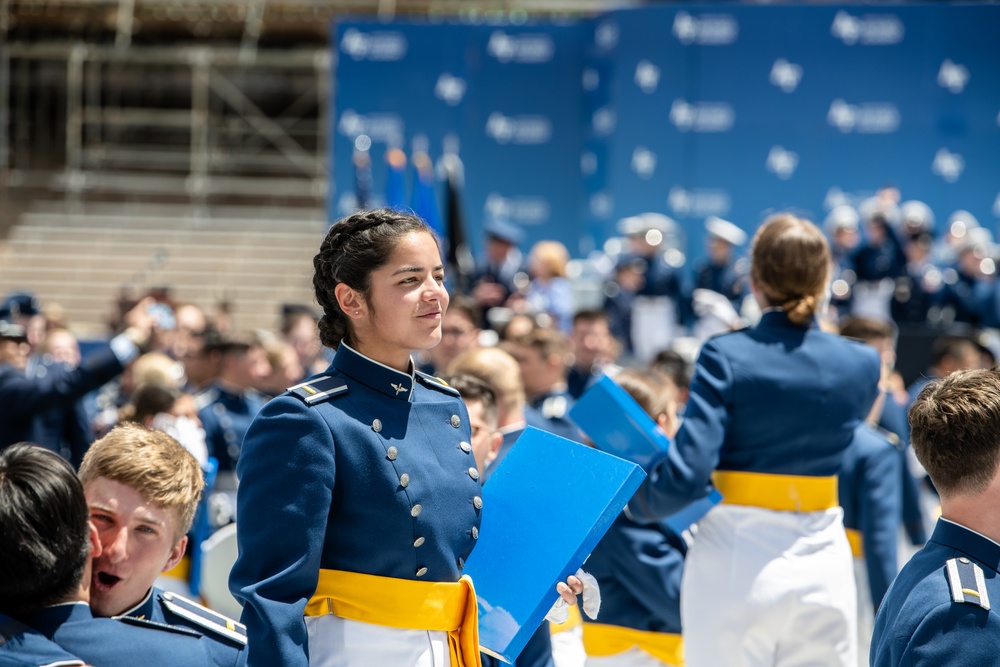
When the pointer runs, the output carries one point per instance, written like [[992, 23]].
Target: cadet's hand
[[139, 322], [580, 583]]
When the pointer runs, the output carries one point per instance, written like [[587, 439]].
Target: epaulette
[[156, 625], [319, 389], [205, 618], [890, 437], [554, 407], [967, 583], [205, 398], [436, 383]]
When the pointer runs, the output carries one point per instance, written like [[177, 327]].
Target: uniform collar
[[142, 610], [778, 318], [378, 376], [49, 619], [978, 547]]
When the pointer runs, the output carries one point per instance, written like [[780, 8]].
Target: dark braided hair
[[353, 248]]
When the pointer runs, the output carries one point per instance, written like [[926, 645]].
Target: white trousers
[[339, 642], [567, 648], [634, 657], [769, 589]]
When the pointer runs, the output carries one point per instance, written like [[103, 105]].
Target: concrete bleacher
[[83, 256]]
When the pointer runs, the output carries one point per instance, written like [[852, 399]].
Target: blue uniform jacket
[[23, 400], [639, 568], [20, 646], [107, 642], [226, 416], [869, 493], [778, 398], [376, 477], [920, 624], [550, 412]]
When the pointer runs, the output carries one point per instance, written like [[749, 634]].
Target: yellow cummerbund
[[573, 620], [601, 640], [857, 542], [784, 493], [403, 603]]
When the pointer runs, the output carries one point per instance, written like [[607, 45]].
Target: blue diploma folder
[[545, 508], [616, 424]]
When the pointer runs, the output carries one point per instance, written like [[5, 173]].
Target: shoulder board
[[888, 436], [554, 407], [966, 581], [206, 398], [436, 383], [156, 625], [319, 389], [205, 618]]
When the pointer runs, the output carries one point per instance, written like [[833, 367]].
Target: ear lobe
[[349, 301], [176, 554]]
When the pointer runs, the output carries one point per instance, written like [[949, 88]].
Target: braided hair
[[791, 265], [354, 247]]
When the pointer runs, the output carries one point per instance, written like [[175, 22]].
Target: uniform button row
[[473, 473], [477, 502], [466, 447]]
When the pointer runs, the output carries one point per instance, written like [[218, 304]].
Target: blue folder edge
[[522, 554]]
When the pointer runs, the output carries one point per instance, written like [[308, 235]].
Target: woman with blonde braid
[[769, 580]]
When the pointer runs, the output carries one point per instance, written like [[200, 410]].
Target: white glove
[[591, 600], [707, 303]]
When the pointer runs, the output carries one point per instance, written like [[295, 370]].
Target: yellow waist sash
[[573, 620], [601, 640], [402, 603], [784, 493], [856, 541]]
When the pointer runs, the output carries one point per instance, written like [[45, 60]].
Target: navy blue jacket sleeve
[[951, 635], [879, 513], [20, 395], [286, 472], [684, 474]]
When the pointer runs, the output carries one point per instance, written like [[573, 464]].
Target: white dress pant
[[567, 648], [634, 657], [339, 642], [769, 589]]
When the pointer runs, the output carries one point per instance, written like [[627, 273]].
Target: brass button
[[415, 511], [466, 447], [392, 453], [473, 473], [475, 533], [377, 425], [456, 421], [418, 542], [477, 502], [404, 480], [422, 571]]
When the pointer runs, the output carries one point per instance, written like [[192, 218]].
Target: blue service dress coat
[[373, 473], [778, 398], [127, 642], [20, 646], [941, 609], [868, 486], [226, 416]]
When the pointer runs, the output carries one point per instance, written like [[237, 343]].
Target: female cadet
[[359, 495], [639, 566], [769, 578]]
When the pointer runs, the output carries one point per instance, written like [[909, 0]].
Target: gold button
[[473, 473], [392, 453], [415, 512], [377, 425], [456, 421], [404, 480], [418, 542], [475, 533], [466, 447], [477, 502], [422, 571]]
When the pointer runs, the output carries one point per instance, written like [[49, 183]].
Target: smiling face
[[139, 542], [405, 305]]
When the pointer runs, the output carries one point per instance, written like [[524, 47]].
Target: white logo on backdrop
[[647, 76], [602, 204], [524, 48], [786, 75], [643, 162], [384, 127], [952, 76], [518, 129], [606, 35], [948, 165], [782, 162], [868, 30], [702, 116], [864, 118], [705, 29], [699, 202], [588, 163], [525, 210], [373, 45], [591, 79], [604, 121], [450, 88]]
